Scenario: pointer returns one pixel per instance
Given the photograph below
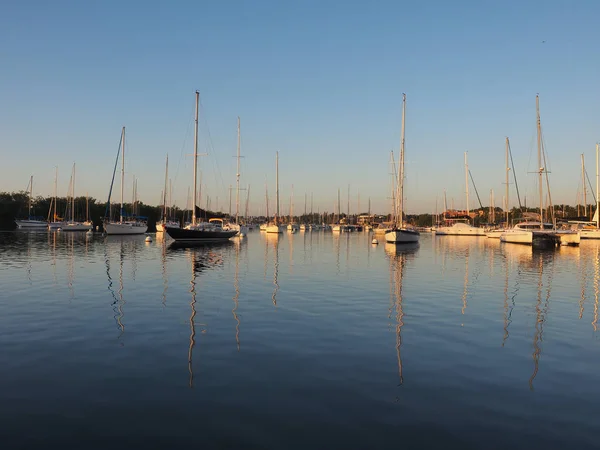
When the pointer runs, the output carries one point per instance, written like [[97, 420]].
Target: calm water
[[303, 341]]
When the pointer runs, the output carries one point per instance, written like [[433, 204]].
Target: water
[[303, 341]]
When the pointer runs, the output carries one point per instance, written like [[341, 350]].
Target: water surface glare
[[307, 340]]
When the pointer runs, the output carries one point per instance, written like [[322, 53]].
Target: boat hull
[[460, 229], [590, 234], [494, 234], [76, 226], [190, 236], [538, 239], [274, 229], [125, 228], [402, 236], [31, 224]]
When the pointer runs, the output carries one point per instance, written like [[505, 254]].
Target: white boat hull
[[590, 233], [125, 228], [76, 226], [494, 234], [274, 229], [31, 224], [460, 229], [55, 225], [402, 236]]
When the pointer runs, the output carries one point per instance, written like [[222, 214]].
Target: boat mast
[[277, 187], [291, 204], [30, 194], [541, 169], [73, 196], [195, 161], [467, 184], [237, 175], [597, 192], [122, 172], [400, 196], [507, 170], [165, 191], [55, 193], [339, 207], [584, 189], [348, 197]]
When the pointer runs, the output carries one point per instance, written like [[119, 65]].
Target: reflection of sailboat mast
[[236, 286], [541, 312], [276, 272], [466, 283], [583, 272], [163, 257], [596, 289], [121, 301], [192, 324], [397, 267]]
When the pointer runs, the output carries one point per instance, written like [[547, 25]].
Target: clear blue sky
[[320, 81]]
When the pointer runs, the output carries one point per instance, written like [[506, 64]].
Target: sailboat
[[592, 230], [124, 225], [460, 227], [54, 222], [198, 232], [292, 226], [241, 229], [72, 224], [535, 232], [399, 233], [164, 221], [495, 234], [31, 223], [274, 227]]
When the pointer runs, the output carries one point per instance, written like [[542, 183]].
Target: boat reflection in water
[[398, 256], [272, 240], [203, 256]]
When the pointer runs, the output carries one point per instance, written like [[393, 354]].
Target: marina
[[361, 340]]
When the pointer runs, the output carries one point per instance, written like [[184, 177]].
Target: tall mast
[[237, 176], [339, 206], [291, 204], [348, 198], [467, 184], [169, 210], [597, 213], [30, 193], [400, 199], [311, 207], [73, 196], [195, 161], [541, 169], [277, 187], [584, 189], [55, 193], [394, 178], [305, 206], [122, 172], [165, 191], [507, 170]]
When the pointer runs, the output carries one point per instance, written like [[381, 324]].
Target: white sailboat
[[461, 227], [292, 226], [165, 221], [31, 223], [72, 224], [241, 229], [399, 233], [274, 227], [537, 233], [124, 226], [495, 234], [54, 222], [592, 230]]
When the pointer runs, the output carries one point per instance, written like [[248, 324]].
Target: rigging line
[[185, 139], [515, 176], [475, 187], [212, 148], [107, 211], [590, 184]]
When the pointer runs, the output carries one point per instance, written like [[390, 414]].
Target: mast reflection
[[398, 256], [273, 240], [202, 257], [118, 301], [236, 287], [596, 288]]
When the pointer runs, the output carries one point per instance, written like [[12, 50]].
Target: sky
[[319, 81]]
